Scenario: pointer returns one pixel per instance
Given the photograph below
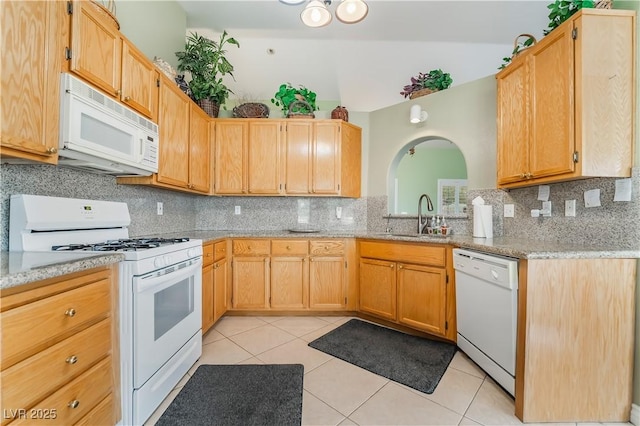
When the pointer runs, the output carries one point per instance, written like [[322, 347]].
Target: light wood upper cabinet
[[199, 150], [32, 53], [185, 154], [231, 145], [565, 105], [287, 157], [103, 57], [173, 164]]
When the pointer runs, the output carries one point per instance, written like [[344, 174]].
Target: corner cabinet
[[409, 284], [32, 53], [566, 105], [184, 158], [287, 157], [214, 283]]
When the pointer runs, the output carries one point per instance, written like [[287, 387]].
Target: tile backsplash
[[618, 221]]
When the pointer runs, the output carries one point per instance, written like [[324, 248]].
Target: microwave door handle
[[140, 153]]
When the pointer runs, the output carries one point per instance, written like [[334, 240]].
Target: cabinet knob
[[208, 255], [528, 175], [399, 266], [216, 266], [288, 247], [392, 265], [70, 312], [127, 98], [118, 92], [52, 150], [71, 360], [73, 404], [523, 175]]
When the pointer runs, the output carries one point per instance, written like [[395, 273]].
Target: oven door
[[167, 312]]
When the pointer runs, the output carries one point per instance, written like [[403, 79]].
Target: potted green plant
[[205, 60], [425, 83], [561, 10], [295, 101]]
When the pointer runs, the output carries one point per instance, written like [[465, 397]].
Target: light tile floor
[[339, 393]]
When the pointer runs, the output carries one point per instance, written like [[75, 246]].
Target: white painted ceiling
[[365, 65]]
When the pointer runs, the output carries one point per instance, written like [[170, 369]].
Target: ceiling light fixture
[[417, 115], [316, 14]]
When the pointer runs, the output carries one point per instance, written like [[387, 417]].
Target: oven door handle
[[155, 281]]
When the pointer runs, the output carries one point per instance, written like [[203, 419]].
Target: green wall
[[157, 28], [418, 174]]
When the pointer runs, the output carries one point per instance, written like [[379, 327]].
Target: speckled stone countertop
[[505, 246], [21, 267]]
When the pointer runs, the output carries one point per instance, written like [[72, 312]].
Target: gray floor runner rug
[[239, 395], [413, 361]]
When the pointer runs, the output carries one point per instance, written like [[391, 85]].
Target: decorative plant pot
[[340, 113], [300, 109], [421, 92], [251, 110], [211, 108]]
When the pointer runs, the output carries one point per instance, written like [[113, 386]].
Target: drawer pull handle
[[72, 359], [288, 247], [70, 312], [73, 404]]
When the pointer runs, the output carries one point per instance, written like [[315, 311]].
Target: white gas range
[[160, 285]]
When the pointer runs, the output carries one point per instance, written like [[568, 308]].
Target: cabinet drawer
[[207, 254], [411, 253], [102, 414], [34, 378], [80, 396], [249, 247], [29, 326], [287, 247], [326, 247], [219, 250]]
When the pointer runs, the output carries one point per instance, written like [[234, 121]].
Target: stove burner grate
[[132, 244]]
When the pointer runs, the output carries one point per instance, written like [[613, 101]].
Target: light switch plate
[[237, 210], [570, 208], [509, 210]]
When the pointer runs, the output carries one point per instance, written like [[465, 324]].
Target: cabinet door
[[173, 122], [289, 288], [297, 157], [327, 283], [199, 150], [230, 156], [31, 61], [513, 122], [422, 299], [220, 294], [326, 158], [207, 298], [250, 282], [140, 81], [552, 78], [95, 48], [264, 157], [378, 288]]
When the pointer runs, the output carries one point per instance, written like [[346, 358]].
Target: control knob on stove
[[192, 252], [158, 262]]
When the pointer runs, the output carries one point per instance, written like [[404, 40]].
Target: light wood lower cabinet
[[59, 350], [290, 274], [409, 284], [214, 283]]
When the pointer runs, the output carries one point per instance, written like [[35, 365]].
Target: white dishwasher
[[487, 312]]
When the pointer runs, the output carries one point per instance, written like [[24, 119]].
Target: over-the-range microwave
[[100, 135]]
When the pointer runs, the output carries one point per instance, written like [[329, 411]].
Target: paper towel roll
[[482, 221]]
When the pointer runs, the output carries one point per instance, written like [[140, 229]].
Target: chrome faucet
[[421, 224]]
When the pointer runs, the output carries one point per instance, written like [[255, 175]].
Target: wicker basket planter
[[211, 108], [251, 110], [421, 92]]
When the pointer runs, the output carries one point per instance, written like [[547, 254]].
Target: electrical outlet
[[338, 212], [160, 207], [509, 210], [238, 210], [546, 209], [570, 208]]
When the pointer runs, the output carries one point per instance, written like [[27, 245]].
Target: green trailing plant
[[435, 80], [287, 94], [519, 47], [561, 10], [205, 60]]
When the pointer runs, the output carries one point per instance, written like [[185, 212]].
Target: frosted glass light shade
[[316, 14], [351, 11], [292, 2], [417, 115]]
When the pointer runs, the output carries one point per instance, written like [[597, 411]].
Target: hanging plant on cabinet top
[[426, 83]]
